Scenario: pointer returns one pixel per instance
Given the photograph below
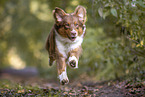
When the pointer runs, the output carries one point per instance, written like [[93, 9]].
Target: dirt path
[[23, 86]]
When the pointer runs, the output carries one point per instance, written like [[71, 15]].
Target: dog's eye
[[76, 24], [67, 24]]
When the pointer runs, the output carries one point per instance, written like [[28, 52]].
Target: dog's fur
[[64, 40]]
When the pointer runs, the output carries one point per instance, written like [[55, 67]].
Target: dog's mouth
[[73, 38]]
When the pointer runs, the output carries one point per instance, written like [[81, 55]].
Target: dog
[[64, 40]]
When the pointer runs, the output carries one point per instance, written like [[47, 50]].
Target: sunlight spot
[[39, 46], [15, 61], [34, 6], [6, 24], [75, 2], [41, 10]]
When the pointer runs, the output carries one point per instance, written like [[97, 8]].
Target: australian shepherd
[[64, 40]]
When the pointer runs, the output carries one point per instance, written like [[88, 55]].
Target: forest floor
[[35, 86]]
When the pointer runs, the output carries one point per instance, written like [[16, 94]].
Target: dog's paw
[[63, 78], [73, 62], [64, 81]]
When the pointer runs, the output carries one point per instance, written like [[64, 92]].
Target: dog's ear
[[58, 14], [80, 11]]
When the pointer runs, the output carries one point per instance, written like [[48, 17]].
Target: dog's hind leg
[[51, 61]]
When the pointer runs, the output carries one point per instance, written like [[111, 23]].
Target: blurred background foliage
[[114, 45]]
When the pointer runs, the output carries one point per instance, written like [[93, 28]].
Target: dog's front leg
[[74, 57], [62, 74], [73, 61]]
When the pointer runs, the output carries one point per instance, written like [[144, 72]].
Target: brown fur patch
[[75, 52], [50, 46], [61, 65]]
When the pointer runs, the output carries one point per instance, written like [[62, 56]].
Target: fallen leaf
[[21, 91]]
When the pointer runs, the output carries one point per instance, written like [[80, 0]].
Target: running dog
[[64, 40]]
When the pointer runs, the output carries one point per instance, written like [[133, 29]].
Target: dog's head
[[70, 25]]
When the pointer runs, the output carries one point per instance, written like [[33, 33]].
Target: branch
[[134, 41]]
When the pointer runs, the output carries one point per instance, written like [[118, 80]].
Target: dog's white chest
[[65, 45]]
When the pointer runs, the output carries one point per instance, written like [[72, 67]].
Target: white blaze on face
[[75, 32]]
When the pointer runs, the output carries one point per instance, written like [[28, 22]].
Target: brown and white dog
[[64, 40]]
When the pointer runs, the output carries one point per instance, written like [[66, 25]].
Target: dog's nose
[[73, 33]]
